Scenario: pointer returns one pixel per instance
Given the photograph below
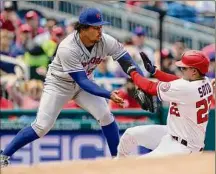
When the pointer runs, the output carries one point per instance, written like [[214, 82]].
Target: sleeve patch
[[165, 87]]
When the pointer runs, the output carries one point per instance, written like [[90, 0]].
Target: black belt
[[184, 142]]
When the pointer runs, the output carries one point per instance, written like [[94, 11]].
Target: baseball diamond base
[[191, 164]]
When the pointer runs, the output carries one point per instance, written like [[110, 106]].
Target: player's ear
[[194, 71]]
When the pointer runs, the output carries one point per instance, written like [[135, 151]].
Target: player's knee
[[130, 131], [127, 144], [106, 119], [42, 129]]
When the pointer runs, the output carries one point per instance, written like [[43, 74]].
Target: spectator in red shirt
[[8, 18], [32, 19], [26, 95], [5, 103], [71, 105], [126, 92]]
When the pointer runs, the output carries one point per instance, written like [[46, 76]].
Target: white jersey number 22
[[203, 107]]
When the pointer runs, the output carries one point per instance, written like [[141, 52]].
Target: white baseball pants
[[56, 93]]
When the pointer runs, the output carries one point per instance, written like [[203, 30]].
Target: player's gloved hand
[[115, 98], [147, 63], [145, 100]]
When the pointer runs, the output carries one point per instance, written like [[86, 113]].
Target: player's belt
[[184, 142]]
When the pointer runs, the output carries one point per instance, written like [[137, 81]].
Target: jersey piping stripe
[[74, 70], [121, 55], [158, 91]]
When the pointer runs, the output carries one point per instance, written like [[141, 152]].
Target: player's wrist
[[110, 95], [131, 69], [152, 69]]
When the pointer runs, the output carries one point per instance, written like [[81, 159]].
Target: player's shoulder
[[189, 85], [181, 84], [69, 42], [180, 81]]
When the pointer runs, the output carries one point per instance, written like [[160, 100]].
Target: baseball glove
[[145, 100]]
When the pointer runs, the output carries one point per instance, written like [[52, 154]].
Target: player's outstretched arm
[[82, 80], [160, 75], [142, 82], [124, 60]]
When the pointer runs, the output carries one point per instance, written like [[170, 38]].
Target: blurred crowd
[[200, 12], [28, 40]]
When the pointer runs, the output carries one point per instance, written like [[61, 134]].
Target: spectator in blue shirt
[[102, 70]]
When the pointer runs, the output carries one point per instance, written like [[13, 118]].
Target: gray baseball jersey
[[72, 55], [59, 88]]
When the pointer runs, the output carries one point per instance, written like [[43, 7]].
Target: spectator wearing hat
[[39, 56], [177, 49], [45, 36], [32, 19], [50, 46], [9, 20], [167, 63], [138, 40], [23, 41]]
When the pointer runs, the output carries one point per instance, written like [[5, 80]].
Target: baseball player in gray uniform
[[70, 77]]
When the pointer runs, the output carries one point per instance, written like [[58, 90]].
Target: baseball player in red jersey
[[190, 100]]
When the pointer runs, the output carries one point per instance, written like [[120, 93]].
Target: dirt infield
[[192, 164]]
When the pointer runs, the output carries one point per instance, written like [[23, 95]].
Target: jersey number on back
[[202, 113], [203, 106]]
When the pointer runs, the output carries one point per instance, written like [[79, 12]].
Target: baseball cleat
[[4, 160]]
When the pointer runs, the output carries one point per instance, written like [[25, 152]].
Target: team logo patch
[[165, 87], [98, 16]]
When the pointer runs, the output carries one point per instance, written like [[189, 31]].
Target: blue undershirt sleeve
[[128, 58], [82, 80]]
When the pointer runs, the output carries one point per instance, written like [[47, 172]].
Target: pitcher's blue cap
[[92, 16]]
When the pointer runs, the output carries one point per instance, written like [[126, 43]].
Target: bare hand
[[115, 98]]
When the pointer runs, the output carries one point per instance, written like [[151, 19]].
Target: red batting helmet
[[196, 59]]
